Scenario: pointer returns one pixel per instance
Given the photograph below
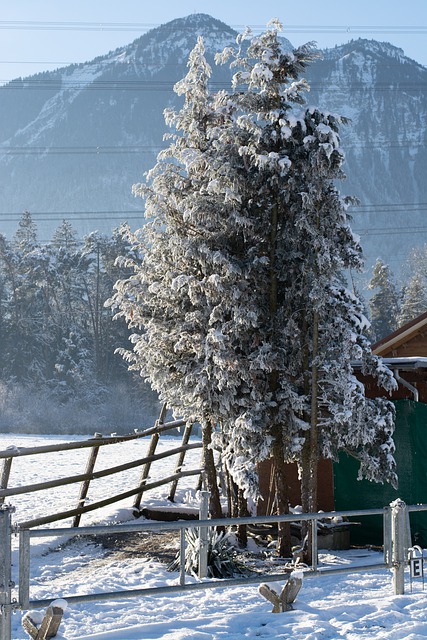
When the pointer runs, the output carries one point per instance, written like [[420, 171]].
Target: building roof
[[402, 335]]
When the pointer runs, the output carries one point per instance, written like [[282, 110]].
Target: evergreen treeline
[[392, 306], [57, 339]]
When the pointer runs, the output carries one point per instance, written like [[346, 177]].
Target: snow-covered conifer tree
[[384, 303], [414, 292], [414, 301], [314, 326], [324, 322], [176, 289], [240, 315]]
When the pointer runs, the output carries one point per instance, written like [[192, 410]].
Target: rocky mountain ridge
[[74, 140]]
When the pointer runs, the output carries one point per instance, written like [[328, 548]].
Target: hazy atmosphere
[[213, 304]]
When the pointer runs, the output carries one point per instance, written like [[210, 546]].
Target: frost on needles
[[242, 319]]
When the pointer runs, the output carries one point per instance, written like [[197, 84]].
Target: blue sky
[[29, 44]]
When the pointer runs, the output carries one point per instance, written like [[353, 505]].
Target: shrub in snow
[[222, 556]]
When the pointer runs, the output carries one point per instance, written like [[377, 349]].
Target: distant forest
[[58, 369]]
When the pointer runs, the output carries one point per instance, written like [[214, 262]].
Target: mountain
[[73, 141], [384, 94]]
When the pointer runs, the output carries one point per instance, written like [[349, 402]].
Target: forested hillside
[[58, 367]]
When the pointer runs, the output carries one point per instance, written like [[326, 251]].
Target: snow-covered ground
[[352, 605]]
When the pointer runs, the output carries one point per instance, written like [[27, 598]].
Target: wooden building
[[405, 352]]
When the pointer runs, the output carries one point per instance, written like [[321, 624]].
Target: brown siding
[[324, 483], [415, 347]]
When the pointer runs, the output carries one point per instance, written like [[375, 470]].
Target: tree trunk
[[282, 496], [310, 454], [210, 471], [242, 530], [233, 509], [284, 530]]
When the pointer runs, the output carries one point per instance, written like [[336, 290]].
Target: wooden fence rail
[[84, 477], [14, 452], [103, 503], [90, 474]]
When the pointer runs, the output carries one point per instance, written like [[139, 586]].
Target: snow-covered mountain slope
[[384, 94], [73, 141]]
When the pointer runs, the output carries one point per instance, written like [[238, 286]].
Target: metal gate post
[[203, 534], [6, 583], [398, 536], [387, 536]]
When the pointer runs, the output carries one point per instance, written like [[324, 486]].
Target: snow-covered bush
[[222, 556]]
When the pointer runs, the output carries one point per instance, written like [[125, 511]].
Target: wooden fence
[[94, 444]]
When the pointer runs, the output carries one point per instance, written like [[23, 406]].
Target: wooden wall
[[324, 482]]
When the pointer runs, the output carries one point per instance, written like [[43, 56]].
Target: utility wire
[[138, 26], [63, 83], [135, 149]]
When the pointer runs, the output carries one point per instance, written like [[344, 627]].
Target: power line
[[407, 208], [135, 149], [401, 207], [35, 82], [390, 231], [125, 149], [143, 26]]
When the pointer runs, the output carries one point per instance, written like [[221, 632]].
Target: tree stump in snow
[[282, 601], [49, 625]]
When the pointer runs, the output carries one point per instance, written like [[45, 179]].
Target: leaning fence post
[[5, 474], [151, 451], [84, 487], [178, 468], [398, 537], [6, 583], [203, 534]]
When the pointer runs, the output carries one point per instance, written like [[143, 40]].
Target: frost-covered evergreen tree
[[414, 299], [414, 292], [176, 289], [384, 303], [315, 327], [240, 315]]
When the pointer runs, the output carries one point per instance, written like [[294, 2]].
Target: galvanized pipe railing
[[26, 535]]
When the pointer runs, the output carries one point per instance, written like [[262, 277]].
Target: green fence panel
[[411, 458]]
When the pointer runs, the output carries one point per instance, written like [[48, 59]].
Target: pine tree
[[27, 302], [384, 303], [174, 288], [240, 316], [414, 301]]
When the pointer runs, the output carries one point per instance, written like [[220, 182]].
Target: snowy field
[[354, 605]]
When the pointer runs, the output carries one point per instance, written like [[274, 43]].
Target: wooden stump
[[282, 601], [49, 626]]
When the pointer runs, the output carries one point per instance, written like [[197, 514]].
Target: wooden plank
[[84, 488], [29, 625], [50, 625], [185, 438], [5, 474], [51, 484], [151, 450], [103, 503], [81, 444]]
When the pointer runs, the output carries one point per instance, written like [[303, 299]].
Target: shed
[[405, 352]]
